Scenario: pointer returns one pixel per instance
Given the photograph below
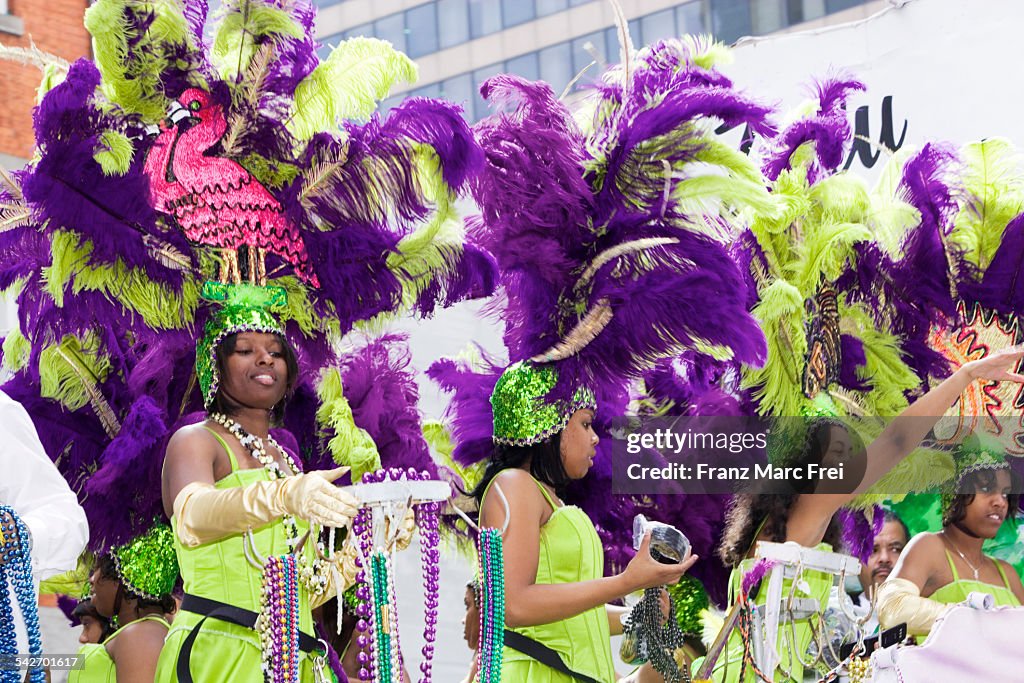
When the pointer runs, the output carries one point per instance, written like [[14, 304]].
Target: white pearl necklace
[[313, 576]]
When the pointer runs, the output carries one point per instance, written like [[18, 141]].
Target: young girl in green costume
[[556, 593], [805, 517], [939, 569], [132, 587], [234, 495]]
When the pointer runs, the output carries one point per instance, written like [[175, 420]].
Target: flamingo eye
[[194, 105]]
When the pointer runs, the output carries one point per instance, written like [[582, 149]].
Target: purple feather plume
[[829, 130]]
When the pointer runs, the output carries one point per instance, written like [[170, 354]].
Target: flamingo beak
[[176, 113]]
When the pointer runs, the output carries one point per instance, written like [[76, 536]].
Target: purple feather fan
[[858, 532], [756, 574], [1002, 285], [829, 130], [381, 388]]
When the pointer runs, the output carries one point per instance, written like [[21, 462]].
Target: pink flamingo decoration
[[216, 201]]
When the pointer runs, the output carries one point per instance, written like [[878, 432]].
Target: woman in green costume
[[235, 496], [132, 587], [939, 569], [556, 593], [804, 518]]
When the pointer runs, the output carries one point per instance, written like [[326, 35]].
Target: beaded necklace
[[380, 656], [492, 605], [313, 576], [16, 568], [654, 641]]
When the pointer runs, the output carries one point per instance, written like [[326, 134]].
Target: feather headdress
[[200, 147], [610, 227]]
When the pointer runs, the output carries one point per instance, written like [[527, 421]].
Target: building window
[[318, 3], [515, 12], [484, 17], [585, 51], [421, 32], [453, 22], [525, 66], [840, 5], [657, 26], [730, 19], [481, 107], [391, 29], [429, 90], [361, 30], [690, 19], [806, 10], [546, 7], [459, 90], [556, 66]]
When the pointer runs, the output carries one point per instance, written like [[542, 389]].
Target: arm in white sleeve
[[39, 494], [900, 601]]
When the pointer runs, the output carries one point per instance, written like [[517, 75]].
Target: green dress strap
[[952, 565], [231, 453], [1002, 573], [544, 492]]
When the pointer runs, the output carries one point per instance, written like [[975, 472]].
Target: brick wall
[[55, 26]]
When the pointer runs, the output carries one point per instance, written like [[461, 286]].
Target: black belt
[[543, 654], [223, 612]]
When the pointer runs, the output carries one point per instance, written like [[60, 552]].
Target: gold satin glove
[[406, 531], [205, 513], [341, 571], [900, 601]]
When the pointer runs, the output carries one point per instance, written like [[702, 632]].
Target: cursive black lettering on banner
[[862, 148]]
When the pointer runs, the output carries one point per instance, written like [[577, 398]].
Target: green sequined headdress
[[246, 308], [975, 453], [522, 414], [147, 565]]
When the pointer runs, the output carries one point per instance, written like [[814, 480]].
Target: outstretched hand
[[997, 366], [643, 571]]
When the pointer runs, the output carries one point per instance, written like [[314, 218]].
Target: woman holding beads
[[556, 593], [234, 496]]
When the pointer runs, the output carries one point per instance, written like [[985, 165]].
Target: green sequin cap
[[147, 565], [975, 453], [522, 416], [246, 308]]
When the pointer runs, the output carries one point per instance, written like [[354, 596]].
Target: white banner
[[936, 70]]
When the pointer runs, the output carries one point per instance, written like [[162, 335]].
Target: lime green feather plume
[[159, 307], [238, 25], [432, 249], [778, 384], [994, 195], [132, 63], [349, 445], [16, 350], [348, 84], [71, 372], [115, 153]]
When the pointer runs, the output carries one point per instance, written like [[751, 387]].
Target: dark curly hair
[[108, 570], [956, 510], [545, 464], [223, 404], [744, 518], [749, 510]]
